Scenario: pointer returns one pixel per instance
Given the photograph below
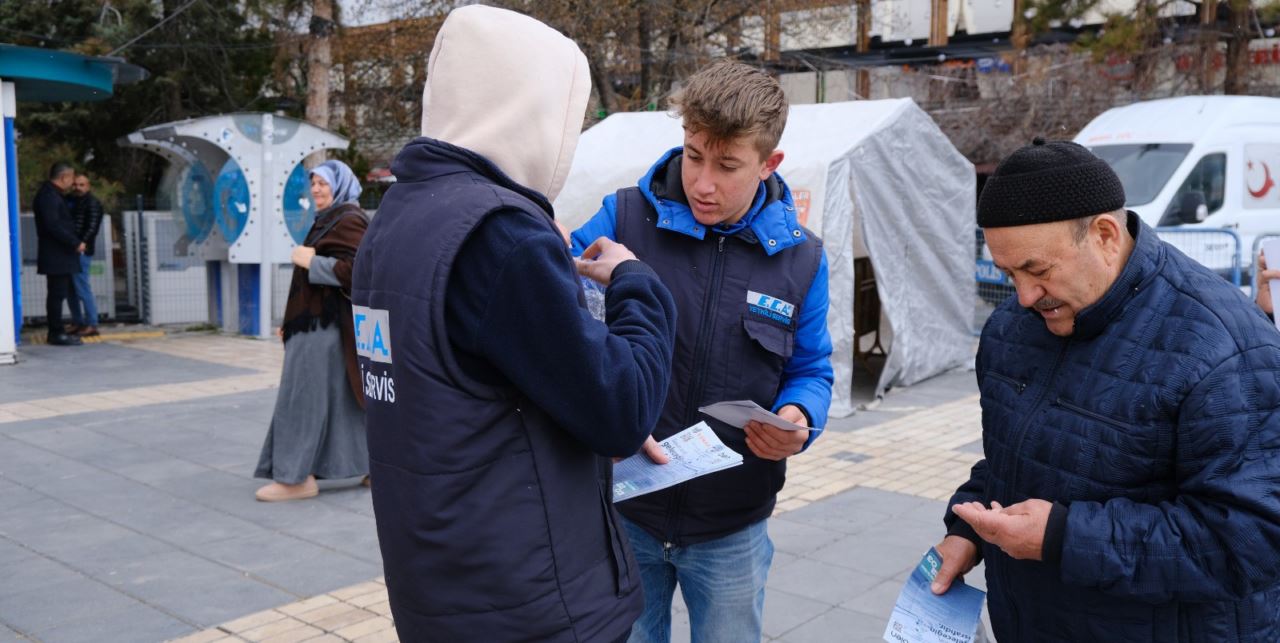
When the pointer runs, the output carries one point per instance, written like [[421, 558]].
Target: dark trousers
[[61, 289]]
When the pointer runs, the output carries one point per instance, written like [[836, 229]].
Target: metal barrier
[[993, 286], [172, 287], [1216, 248]]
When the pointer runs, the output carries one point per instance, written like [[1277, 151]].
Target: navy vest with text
[[494, 524]]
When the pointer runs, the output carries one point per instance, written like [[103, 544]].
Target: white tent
[[880, 180]]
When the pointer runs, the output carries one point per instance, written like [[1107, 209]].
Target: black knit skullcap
[[1044, 182]]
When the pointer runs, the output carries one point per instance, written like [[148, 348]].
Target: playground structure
[[242, 197]]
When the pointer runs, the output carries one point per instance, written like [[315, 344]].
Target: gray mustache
[[1047, 303]]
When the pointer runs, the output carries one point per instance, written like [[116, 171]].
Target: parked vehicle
[[1197, 162]]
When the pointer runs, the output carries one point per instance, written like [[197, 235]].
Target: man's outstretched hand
[[1018, 530]]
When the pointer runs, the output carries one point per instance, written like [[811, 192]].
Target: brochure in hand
[[739, 412], [695, 451], [920, 616]]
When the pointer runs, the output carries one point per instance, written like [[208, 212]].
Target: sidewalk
[[127, 511]]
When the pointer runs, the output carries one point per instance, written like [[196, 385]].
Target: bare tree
[[1237, 79], [319, 59]]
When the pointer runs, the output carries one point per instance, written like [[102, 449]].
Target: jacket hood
[[509, 88]]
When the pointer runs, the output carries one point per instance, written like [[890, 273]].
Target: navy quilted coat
[[1157, 422]]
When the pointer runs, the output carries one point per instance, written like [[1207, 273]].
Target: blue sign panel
[[988, 273], [299, 211], [232, 193], [195, 198]]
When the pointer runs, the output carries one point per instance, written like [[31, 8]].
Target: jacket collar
[[428, 158], [770, 221], [1144, 263]]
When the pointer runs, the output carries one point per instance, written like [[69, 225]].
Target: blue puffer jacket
[[1157, 425]]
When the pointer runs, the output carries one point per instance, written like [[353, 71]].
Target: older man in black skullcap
[[1130, 489]]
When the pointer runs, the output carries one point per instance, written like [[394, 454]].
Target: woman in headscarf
[[317, 430]]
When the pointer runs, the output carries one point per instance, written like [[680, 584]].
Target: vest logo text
[[771, 307], [373, 334]]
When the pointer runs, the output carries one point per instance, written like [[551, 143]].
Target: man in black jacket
[[87, 215], [59, 248]]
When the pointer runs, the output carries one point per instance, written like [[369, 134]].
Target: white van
[[1197, 162]]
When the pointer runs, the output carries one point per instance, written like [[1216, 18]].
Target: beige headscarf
[[509, 88]]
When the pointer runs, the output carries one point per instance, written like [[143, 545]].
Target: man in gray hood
[[494, 399]]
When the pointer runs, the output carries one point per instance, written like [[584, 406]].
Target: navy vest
[[726, 349], [494, 524]]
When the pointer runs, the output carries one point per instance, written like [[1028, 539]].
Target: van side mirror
[[1192, 208]]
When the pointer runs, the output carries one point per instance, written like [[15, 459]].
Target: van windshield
[[1143, 168]]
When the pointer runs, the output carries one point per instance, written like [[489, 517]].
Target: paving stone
[[784, 611], [290, 563], [385, 636], [13, 496], [327, 638], [364, 628], [383, 608], [40, 609], [253, 621], [137, 622], [880, 555], [30, 573], [205, 636], [792, 536], [820, 582], [157, 469], [841, 625], [819, 514], [304, 606], [296, 635], [877, 601], [74, 442], [7, 635], [352, 616], [167, 581], [128, 367]]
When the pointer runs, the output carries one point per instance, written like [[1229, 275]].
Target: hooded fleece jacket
[[492, 392]]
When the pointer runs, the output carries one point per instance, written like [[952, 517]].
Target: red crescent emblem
[[1267, 184]]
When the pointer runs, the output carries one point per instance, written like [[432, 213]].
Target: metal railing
[[1217, 249], [993, 286]]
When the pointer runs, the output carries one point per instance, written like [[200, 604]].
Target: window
[[1143, 168], [1208, 177]]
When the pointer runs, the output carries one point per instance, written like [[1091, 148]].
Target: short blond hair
[[728, 100]]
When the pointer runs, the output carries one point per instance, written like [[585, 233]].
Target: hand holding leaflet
[[920, 616], [695, 451], [739, 412]]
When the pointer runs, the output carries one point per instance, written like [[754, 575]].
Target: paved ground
[[127, 511]]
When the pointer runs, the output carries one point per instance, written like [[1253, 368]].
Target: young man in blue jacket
[[719, 226]]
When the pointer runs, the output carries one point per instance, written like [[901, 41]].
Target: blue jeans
[[722, 582], [83, 297]]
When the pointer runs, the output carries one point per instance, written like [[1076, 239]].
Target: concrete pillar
[[266, 203], [10, 244]]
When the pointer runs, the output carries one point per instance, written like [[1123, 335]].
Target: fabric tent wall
[[918, 229], [867, 175]]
